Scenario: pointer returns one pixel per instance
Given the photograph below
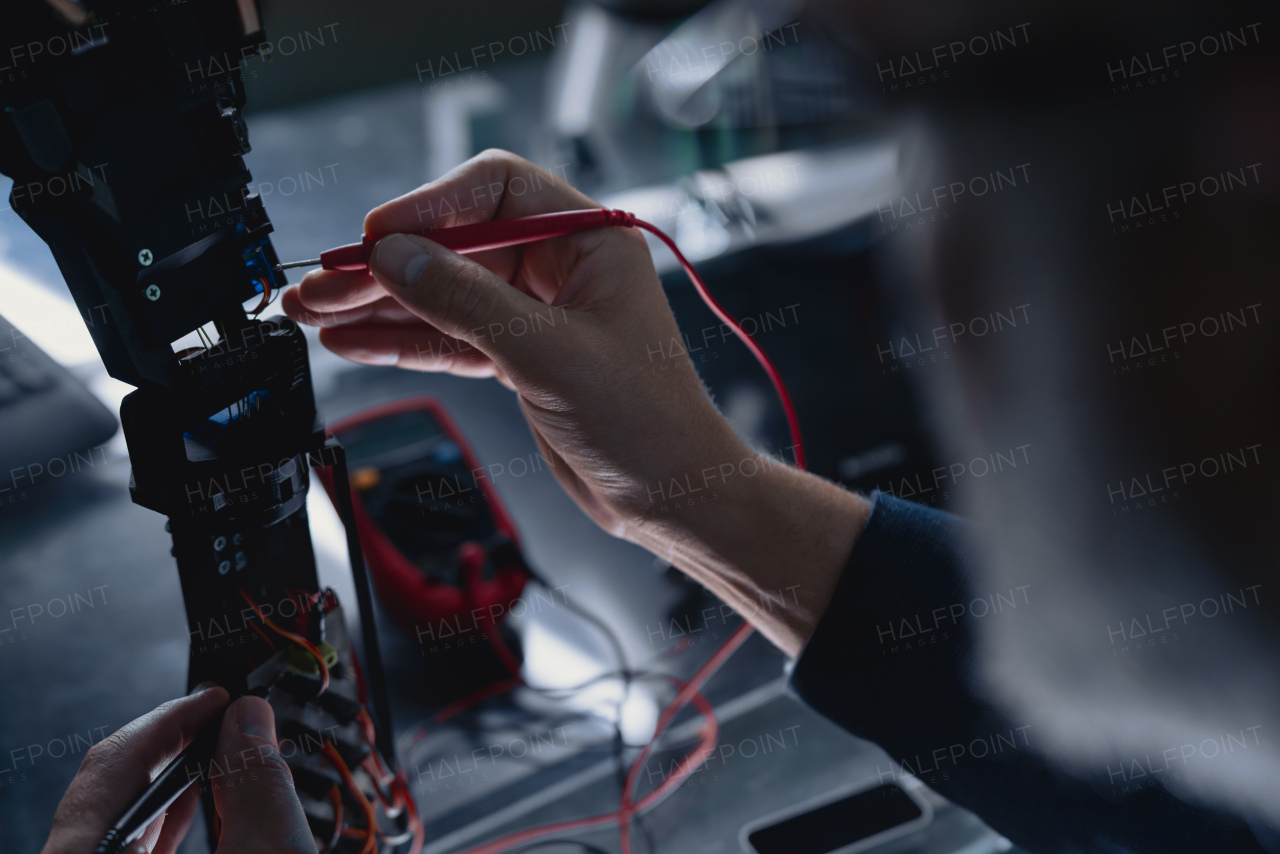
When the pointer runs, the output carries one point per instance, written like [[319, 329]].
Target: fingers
[[384, 310], [177, 821], [492, 185], [418, 347], [454, 294], [118, 769], [253, 787], [337, 290]]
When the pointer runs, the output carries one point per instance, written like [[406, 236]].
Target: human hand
[[574, 333], [572, 325], [252, 787]]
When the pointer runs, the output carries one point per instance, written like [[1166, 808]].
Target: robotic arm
[[121, 127]]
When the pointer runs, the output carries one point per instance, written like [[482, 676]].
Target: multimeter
[[443, 552]]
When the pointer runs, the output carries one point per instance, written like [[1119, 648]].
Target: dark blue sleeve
[[893, 661]]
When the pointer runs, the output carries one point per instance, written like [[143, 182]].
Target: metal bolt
[[145, 257], [219, 543], [152, 292], [224, 567]]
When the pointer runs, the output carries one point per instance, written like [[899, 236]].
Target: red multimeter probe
[[479, 236], [498, 233]]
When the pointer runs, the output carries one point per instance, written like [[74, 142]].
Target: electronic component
[[145, 143]]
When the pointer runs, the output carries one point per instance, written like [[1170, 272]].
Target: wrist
[[769, 539]]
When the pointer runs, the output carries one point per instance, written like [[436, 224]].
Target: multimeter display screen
[[415, 484], [391, 438], [838, 824]]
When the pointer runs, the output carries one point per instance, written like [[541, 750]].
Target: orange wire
[[260, 633], [371, 820], [401, 797], [293, 636], [266, 296], [390, 807], [335, 798]]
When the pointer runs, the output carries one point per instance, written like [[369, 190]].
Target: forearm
[[769, 539]]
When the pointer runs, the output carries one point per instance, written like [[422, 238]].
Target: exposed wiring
[[335, 798], [512, 232], [292, 636], [497, 689], [266, 297], [784, 397], [690, 691], [400, 799], [415, 821], [260, 633], [506, 686], [371, 820]]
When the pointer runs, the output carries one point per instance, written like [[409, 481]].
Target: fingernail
[[401, 259], [254, 717], [203, 686]]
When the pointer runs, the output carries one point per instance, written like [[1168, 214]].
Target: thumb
[[452, 292], [253, 788]]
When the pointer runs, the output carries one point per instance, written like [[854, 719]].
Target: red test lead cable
[[500, 233], [479, 237], [497, 234]]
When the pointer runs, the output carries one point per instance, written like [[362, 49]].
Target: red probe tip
[[482, 236]]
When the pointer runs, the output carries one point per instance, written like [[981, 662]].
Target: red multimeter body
[[442, 550]]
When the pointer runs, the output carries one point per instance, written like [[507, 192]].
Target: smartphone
[[855, 822]]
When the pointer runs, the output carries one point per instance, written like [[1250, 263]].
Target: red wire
[[526, 230], [335, 798], [690, 692], [260, 633], [398, 783], [706, 745], [361, 692], [481, 236], [793, 421], [371, 820], [293, 636], [477, 697], [472, 557]]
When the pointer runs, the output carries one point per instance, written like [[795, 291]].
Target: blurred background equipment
[[47, 416]]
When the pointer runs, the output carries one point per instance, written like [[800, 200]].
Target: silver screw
[[224, 567], [145, 257], [152, 292]]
